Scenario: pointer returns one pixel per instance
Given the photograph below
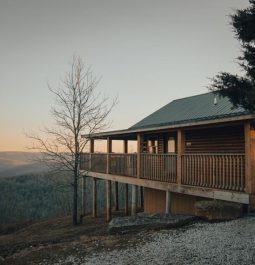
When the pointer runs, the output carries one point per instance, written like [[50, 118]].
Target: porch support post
[[116, 195], [91, 151], [108, 201], [247, 130], [134, 199], [83, 196], [125, 146], [168, 202], [126, 199], [180, 151], [249, 133], [108, 183], [109, 150], [139, 151], [94, 212]]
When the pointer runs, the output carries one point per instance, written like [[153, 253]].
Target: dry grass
[[51, 238]]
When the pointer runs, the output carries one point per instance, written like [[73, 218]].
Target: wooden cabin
[[194, 148]]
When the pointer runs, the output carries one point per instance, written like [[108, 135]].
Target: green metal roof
[[194, 108]]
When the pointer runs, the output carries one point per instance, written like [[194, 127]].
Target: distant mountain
[[19, 163]]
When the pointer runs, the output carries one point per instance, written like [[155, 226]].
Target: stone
[[216, 210], [121, 225]]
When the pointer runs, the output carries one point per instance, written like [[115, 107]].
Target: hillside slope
[[54, 238]]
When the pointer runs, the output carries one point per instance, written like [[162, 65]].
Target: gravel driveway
[[201, 243]]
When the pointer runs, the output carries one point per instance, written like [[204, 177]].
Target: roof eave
[[104, 135]]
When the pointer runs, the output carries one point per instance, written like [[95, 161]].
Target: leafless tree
[[78, 109]]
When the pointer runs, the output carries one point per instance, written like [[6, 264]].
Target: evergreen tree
[[241, 89]]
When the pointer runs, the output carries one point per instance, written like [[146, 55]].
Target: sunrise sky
[[147, 52]]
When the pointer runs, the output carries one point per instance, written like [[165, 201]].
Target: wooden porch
[[216, 171], [210, 162]]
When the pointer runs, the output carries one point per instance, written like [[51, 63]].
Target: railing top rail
[[164, 154], [124, 154], [98, 153], [215, 154], [169, 154]]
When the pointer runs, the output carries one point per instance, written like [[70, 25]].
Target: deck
[[220, 176]]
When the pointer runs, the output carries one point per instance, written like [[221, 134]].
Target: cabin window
[[153, 146], [171, 145]]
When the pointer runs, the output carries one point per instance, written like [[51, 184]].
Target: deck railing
[[85, 161], [220, 171], [97, 163], [123, 164], [159, 167]]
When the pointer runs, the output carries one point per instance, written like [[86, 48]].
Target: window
[[171, 145], [153, 146]]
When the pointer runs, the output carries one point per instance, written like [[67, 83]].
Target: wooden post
[[141, 197], [126, 199], [249, 133], [134, 199], [94, 212], [180, 151], [83, 196], [108, 183], [125, 151], [116, 196], [109, 150], [108, 201], [139, 150], [168, 201], [125, 146], [91, 151]]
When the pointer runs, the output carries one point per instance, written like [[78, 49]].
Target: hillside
[[50, 239], [56, 241], [19, 163]]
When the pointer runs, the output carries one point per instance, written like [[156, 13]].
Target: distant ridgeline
[[37, 196]]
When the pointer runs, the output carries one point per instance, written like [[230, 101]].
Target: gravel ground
[[201, 243]]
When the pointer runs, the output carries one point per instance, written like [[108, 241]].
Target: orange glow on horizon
[[20, 143]]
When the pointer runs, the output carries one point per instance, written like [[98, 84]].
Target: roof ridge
[[192, 96]]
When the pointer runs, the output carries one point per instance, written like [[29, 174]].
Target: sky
[[147, 52]]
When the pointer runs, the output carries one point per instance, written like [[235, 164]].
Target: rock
[[216, 210], [147, 221], [1, 259]]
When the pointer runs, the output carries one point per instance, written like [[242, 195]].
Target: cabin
[[194, 148]]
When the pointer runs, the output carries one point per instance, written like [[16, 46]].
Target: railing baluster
[[221, 171]]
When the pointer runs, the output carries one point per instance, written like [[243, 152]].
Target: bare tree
[[79, 108]]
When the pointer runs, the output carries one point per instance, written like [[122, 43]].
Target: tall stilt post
[[168, 201], [108, 201], [141, 197], [134, 200], [126, 199], [139, 173], [116, 189], [94, 212]]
